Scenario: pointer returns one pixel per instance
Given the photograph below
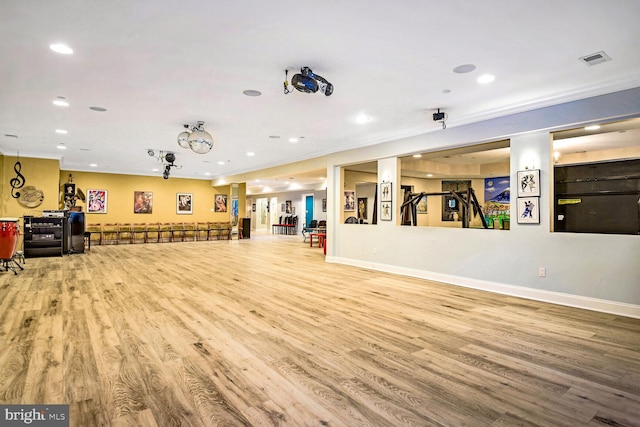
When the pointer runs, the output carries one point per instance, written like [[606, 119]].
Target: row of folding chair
[[286, 225], [117, 233]]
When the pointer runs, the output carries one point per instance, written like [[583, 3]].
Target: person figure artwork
[[385, 192], [386, 210], [221, 203], [97, 200], [362, 209], [528, 183], [349, 201], [528, 209]]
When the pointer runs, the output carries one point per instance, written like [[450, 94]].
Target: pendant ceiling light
[[197, 138]]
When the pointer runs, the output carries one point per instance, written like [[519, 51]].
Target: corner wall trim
[[577, 301]]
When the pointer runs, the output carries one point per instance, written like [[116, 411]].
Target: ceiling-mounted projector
[[308, 82]]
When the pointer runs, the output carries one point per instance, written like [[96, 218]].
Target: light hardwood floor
[[263, 332]]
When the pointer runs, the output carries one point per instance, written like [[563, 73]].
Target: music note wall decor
[[17, 182]]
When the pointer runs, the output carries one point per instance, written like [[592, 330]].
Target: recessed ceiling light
[[252, 92], [99, 109], [155, 170], [207, 173], [61, 48], [362, 119], [61, 131], [293, 140], [464, 68], [486, 78], [61, 147], [593, 127], [222, 163], [287, 182], [251, 153], [93, 165], [417, 156], [60, 102], [429, 175]]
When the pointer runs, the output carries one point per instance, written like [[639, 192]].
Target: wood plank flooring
[[263, 332]]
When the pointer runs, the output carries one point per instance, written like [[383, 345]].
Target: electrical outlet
[[542, 272]]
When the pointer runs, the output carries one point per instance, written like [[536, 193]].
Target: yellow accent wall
[[242, 200], [40, 173], [120, 197]]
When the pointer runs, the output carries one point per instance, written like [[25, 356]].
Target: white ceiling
[[156, 65]]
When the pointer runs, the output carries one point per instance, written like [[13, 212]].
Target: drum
[[9, 233]]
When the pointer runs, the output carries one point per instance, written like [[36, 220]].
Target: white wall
[[595, 271], [298, 201]]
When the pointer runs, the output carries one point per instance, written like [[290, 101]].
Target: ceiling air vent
[[595, 58]]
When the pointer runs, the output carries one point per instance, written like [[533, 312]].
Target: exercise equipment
[[466, 199]]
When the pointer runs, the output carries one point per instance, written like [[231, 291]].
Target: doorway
[[308, 217], [261, 214]]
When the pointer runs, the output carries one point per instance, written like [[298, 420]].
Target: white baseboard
[[604, 306]]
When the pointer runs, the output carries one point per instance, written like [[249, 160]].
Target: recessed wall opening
[[359, 196], [467, 187]]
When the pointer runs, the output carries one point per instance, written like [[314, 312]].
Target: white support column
[[389, 171]]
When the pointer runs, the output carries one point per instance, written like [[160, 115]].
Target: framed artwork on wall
[[143, 202], [349, 201], [528, 210], [421, 207], [529, 183], [362, 208], [324, 205], [287, 208], [69, 195], [184, 203], [385, 192], [385, 211], [97, 201], [220, 203]]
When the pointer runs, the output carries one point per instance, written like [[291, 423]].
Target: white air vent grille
[[595, 58]]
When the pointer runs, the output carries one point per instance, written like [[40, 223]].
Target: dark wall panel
[[598, 197]]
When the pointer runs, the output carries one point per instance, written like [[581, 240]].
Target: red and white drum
[[9, 234]]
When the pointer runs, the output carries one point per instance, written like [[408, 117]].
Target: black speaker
[[76, 229]]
